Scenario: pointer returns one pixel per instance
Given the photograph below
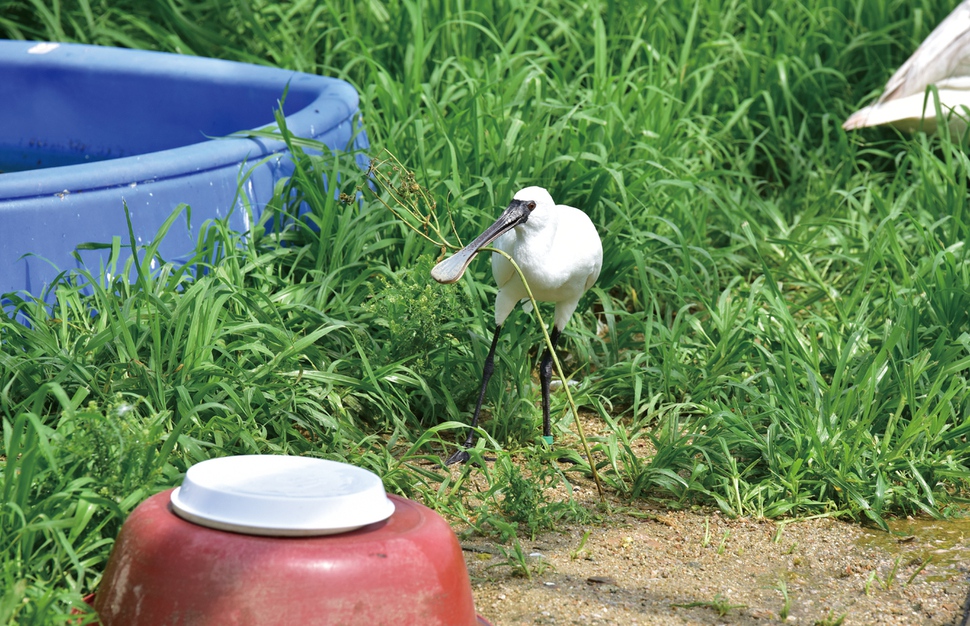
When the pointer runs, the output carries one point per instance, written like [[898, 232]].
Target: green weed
[[520, 563], [831, 620], [719, 604], [782, 588]]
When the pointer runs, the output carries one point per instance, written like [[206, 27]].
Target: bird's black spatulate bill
[[452, 268]]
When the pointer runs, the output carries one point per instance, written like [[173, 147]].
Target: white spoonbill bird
[[943, 59], [560, 254]]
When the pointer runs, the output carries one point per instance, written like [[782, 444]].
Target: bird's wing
[[944, 53], [596, 251], [914, 112], [593, 276]]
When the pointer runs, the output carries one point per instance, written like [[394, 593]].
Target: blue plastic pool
[[85, 129]]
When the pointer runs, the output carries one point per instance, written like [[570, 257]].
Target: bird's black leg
[[461, 456], [545, 376]]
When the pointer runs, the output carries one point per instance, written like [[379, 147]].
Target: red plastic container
[[164, 570]]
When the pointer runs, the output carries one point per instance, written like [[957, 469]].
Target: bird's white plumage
[[559, 252], [943, 60]]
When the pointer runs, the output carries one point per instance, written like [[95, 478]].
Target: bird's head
[[536, 205], [538, 195], [529, 202]]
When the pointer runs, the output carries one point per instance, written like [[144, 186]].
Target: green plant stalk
[[892, 573], [404, 196], [582, 544], [559, 371], [782, 587], [918, 570]]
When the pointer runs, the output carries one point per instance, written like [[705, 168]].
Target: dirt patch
[[642, 564]]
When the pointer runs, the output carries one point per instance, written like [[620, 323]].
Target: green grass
[[785, 304]]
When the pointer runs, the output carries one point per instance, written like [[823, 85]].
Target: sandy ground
[[661, 570], [644, 564]]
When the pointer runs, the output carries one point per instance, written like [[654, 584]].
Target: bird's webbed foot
[[458, 456]]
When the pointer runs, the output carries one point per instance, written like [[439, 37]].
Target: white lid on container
[[275, 495]]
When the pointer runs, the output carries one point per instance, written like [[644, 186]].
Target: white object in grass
[[281, 496], [942, 60], [560, 254]]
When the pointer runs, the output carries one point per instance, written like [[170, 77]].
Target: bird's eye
[[531, 205]]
